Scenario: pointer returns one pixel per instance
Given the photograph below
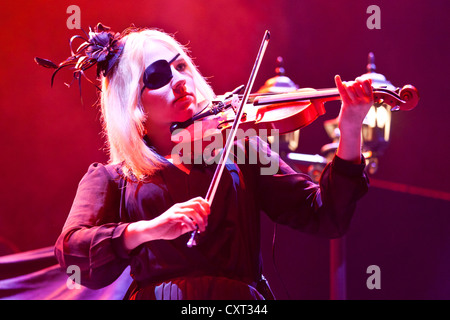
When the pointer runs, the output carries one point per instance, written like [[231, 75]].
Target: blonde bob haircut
[[123, 117]]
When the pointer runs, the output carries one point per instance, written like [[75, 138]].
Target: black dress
[[226, 263]]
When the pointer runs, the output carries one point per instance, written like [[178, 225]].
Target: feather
[[45, 63], [102, 48]]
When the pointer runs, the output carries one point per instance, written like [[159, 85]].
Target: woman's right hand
[[177, 220], [181, 218]]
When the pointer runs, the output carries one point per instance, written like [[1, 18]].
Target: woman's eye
[[181, 66]]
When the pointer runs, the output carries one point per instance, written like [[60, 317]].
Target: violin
[[285, 112]]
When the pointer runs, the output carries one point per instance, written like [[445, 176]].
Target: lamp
[[282, 84], [376, 127]]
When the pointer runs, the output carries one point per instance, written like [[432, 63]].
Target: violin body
[[288, 116]]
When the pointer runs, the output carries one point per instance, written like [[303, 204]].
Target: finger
[[366, 85], [202, 209], [201, 205], [351, 90], [359, 91], [187, 223], [342, 89], [339, 84], [200, 200], [198, 219], [205, 205], [196, 212]]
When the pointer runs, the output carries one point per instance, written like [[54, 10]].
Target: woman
[[141, 207]]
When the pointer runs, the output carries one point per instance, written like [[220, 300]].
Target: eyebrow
[[174, 58]]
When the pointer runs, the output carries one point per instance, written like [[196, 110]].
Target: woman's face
[[175, 101]]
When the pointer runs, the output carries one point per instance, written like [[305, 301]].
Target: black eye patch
[[158, 74]]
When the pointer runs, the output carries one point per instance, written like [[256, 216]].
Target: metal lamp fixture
[[376, 127], [282, 84], [377, 124]]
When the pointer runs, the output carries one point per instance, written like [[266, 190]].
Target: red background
[[48, 139]]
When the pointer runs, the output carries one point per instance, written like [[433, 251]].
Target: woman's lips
[[184, 99]]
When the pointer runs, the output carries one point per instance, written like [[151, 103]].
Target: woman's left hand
[[357, 98]]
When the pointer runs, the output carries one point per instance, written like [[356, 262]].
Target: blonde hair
[[122, 112]]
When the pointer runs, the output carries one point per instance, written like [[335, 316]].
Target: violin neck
[[323, 95]]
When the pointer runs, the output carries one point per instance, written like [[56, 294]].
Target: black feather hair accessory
[[102, 48]]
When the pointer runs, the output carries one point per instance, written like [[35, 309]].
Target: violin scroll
[[410, 95], [403, 99]]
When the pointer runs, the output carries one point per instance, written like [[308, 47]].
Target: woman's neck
[[161, 139]]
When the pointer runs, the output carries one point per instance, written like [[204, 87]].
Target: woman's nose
[[178, 83]]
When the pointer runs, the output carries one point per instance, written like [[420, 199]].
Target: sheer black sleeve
[[92, 235]]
